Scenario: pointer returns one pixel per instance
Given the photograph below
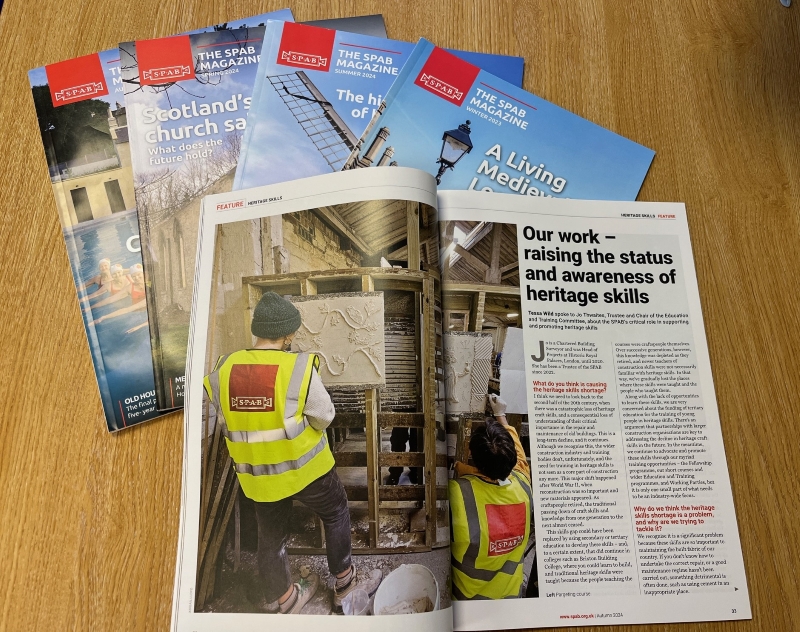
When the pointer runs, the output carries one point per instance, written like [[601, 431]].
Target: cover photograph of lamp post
[[474, 131]]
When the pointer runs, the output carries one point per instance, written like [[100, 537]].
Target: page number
[[733, 610]]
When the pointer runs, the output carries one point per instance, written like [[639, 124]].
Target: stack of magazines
[[477, 373]]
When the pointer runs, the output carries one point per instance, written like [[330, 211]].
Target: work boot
[[368, 584], [303, 592]]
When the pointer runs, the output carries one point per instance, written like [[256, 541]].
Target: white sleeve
[[319, 408]]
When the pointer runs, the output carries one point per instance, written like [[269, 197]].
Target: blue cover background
[[597, 163]]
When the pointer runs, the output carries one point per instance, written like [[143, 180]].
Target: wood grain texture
[[89, 522]]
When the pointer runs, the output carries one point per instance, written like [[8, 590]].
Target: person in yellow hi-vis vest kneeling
[[490, 512], [273, 411]]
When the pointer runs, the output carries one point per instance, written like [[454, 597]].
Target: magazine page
[[315, 478], [316, 92], [474, 131], [577, 367]]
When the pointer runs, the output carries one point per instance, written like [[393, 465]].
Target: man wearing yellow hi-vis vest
[[273, 411], [490, 512]]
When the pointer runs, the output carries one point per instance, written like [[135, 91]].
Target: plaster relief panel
[[467, 368], [346, 331]]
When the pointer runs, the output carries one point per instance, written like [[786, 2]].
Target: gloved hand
[[498, 405]]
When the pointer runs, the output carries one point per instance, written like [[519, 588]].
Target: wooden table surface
[[89, 521]]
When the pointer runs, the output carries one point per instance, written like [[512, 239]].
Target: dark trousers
[[326, 497], [398, 440]]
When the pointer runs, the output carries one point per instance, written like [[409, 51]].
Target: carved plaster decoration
[[467, 368], [346, 331]]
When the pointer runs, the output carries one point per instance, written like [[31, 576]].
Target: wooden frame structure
[[373, 420], [480, 283]]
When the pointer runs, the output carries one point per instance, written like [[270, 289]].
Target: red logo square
[[304, 46], [506, 527], [164, 60], [251, 387], [76, 80], [447, 76]]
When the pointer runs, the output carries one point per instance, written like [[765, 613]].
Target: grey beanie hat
[[274, 317]]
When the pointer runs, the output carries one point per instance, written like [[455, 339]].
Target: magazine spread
[[557, 345], [477, 132], [315, 93]]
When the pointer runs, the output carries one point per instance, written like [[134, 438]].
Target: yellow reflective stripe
[[279, 486], [211, 383], [253, 436], [274, 451], [272, 469], [524, 484], [293, 420]]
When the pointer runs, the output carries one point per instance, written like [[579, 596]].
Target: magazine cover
[[188, 98], [85, 137], [474, 131], [316, 92], [80, 106], [314, 428]]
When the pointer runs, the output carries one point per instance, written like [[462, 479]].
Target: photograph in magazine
[[487, 415], [323, 375]]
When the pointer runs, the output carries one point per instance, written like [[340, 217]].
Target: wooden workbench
[[89, 521]]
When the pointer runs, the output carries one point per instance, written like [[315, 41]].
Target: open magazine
[[408, 403]]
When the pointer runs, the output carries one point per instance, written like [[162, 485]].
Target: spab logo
[[76, 80], [170, 73], [447, 76], [165, 60], [252, 387], [302, 59], [306, 47], [506, 527]]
